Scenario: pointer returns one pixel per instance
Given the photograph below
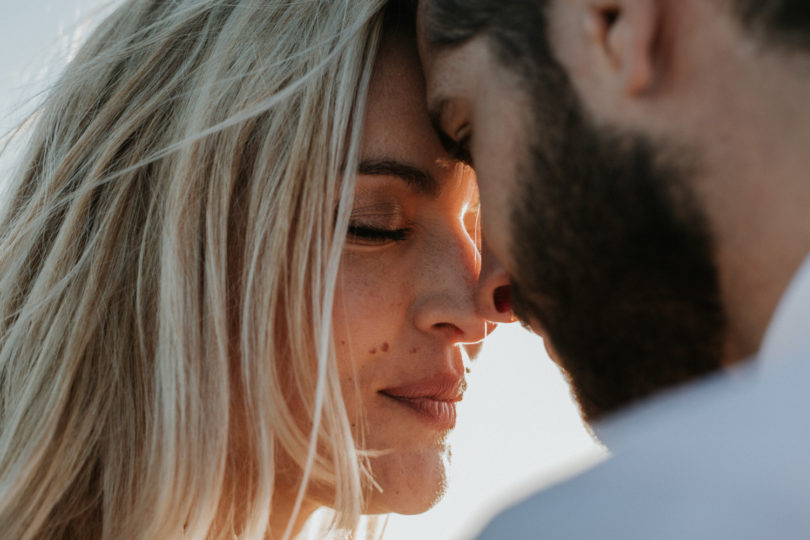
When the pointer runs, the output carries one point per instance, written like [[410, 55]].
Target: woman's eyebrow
[[416, 178]]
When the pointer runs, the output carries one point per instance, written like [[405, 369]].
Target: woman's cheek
[[364, 297]]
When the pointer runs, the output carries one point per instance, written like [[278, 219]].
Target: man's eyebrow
[[416, 178], [435, 115]]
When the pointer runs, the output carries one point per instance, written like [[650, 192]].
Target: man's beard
[[614, 258]]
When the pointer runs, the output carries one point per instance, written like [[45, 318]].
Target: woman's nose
[[447, 303], [494, 293]]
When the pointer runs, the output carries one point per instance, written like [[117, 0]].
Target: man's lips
[[433, 399]]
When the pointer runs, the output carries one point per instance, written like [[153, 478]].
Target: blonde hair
[[172, 236]]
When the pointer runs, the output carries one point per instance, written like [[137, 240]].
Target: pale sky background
[[517, 428]]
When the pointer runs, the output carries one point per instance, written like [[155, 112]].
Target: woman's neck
[[282, 513]]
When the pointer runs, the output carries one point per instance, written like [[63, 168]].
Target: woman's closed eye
[[372, 235], [377, 222]]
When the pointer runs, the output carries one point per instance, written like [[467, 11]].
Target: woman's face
[[405, 295]]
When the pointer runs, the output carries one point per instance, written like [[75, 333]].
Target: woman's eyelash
[[375, 234]]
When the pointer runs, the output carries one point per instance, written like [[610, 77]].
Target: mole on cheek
[[373, 351], [384, 347]]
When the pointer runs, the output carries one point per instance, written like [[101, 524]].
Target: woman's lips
[[434, 400], [440, 413]]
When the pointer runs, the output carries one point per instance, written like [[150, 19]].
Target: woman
[[236, 268]]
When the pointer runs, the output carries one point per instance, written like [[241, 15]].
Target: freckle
[[354, 425], [342, 342], [373, 351], [414, 350], [384, 347]]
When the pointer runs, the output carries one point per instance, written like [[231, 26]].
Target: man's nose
[[494, 293]]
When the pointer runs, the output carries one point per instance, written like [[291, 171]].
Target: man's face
[[606, 247]]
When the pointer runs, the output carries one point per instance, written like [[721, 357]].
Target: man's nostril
[[502, 296]]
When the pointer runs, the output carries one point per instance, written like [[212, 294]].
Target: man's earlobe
[[625, 32]]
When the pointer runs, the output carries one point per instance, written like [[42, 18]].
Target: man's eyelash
[[461, 150]]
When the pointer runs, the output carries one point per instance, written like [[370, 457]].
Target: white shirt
[[727, 457]]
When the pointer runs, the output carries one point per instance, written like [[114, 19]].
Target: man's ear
[[624, 34]]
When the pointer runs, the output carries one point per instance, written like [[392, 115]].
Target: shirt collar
[[788, 334]]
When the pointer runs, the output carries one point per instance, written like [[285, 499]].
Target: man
[[643, 168]]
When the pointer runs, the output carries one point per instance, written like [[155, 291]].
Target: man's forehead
[[454, 72]]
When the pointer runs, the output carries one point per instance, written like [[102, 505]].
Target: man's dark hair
[[786, 22], [518, 26], [400, 15]]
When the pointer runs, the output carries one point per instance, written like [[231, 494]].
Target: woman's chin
[[406, 503], [408, 484]]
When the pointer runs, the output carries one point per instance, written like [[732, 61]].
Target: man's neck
[[758, 144]]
